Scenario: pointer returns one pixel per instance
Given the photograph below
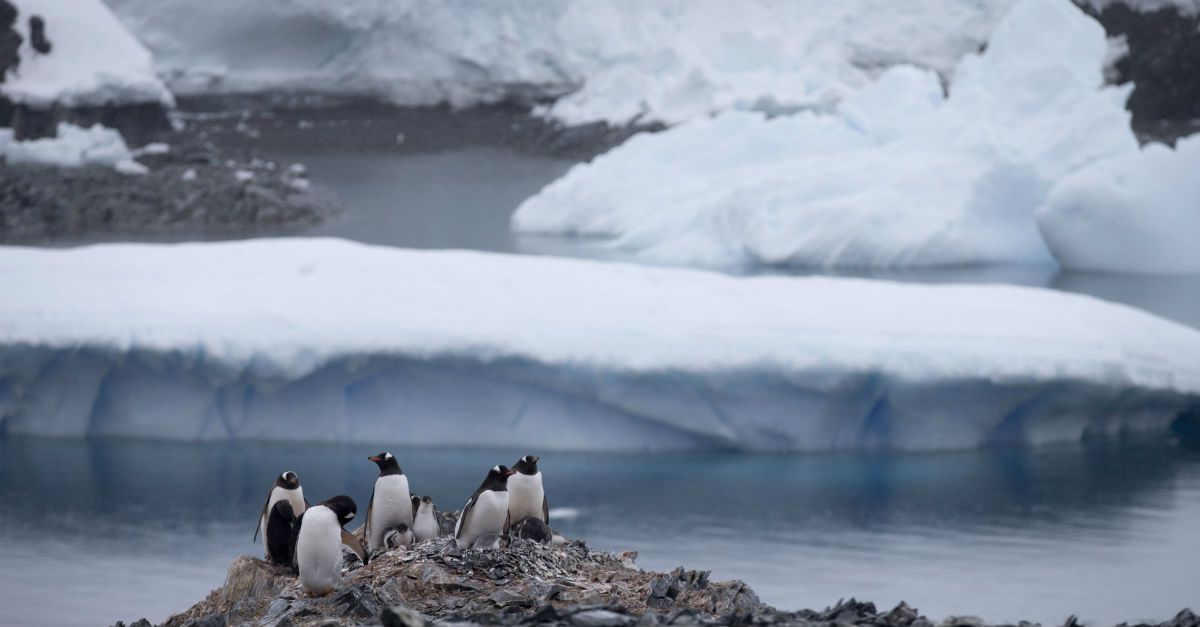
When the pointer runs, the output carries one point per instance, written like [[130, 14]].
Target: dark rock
[[1163, 64], [401, 617]]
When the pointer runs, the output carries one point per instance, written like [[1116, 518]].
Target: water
[[95, 531]]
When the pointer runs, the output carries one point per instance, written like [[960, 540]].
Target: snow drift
[[898, 176], [617, 61], [335, 341], [72, 147], [1139, 212], [93, 60]]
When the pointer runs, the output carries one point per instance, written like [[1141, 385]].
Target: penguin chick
[[532, 528], [425, 522], [281, 547], [398, 536]]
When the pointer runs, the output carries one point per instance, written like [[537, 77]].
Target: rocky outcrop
[[434, 584], [437, 581], [1163, 63], [187, 190]]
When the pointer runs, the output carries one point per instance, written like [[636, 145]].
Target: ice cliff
[[618, 61], [329, 340]]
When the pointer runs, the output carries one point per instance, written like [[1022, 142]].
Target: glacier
[[335, 341], [94, 60], [898, 175], [619, 61], [1135, 213]]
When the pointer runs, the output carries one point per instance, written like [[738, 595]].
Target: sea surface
[[96, 531]]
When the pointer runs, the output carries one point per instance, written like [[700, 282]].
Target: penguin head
[[387, 464], [527, 465], [425, 500], [288, 480], [343, 507], [395, 536]]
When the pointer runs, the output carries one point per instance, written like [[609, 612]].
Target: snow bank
[[73, 147], [93, 61], [898, 176], [618, 60], [1139, 212], [336, 341]]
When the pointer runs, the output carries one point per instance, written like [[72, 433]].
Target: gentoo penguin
[[486, 512], [280, 534], [526, 498], [425, 522], [319, 544], [286, 488], [398, 536], [390, 504]]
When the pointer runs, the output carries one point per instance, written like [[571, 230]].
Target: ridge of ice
[[616, 61], [330, 340], [73, 147]]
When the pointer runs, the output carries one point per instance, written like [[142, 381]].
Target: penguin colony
[[310, 538]]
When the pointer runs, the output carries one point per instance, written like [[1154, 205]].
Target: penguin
[[321, 534], [280, 534], [390, 503], [287, 487], [398, 536], [531, 527], [37, 35], [425, 522], [486, 512], [526, 498]]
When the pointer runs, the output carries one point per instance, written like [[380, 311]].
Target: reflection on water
[[96, 531]]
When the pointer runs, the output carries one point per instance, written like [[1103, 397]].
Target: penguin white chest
[[391, 505], [294, 497], [319, 551], [487, 515], [426, 526], [525, 497]]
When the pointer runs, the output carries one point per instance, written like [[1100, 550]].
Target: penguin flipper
[[262, 517], [349, 540], [367, 522], [458, 524], [545, 509], [296, 535]]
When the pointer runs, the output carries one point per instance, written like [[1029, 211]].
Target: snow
[[73, 147], [615, 61], [93, 61], [1139, 212], [898, 176], [328, 340]]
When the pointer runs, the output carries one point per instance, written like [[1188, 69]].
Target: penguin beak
[[510, 472], [535, 458], [374, 458]]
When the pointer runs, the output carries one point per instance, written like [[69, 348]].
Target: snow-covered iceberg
[[1139, 212], [617, 60], [336, 341], [898, 176], [72, 147], [93, 60]]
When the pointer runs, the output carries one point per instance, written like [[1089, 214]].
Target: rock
[[401, 617]]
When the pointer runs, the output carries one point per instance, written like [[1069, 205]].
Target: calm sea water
[[98, 531]]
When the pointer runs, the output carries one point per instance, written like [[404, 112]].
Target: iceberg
[[329, 340], [618, 61], [1136, 213], [898, 175], [94, 60]]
